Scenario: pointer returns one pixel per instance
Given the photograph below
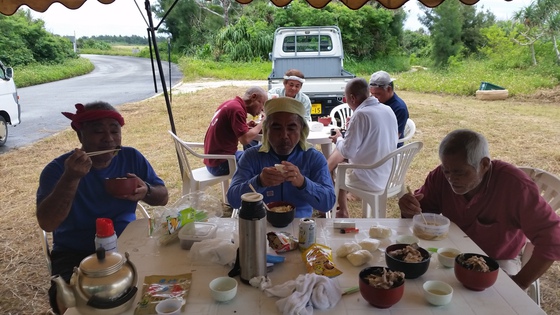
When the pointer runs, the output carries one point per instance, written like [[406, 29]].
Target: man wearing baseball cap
[[285, 167], [381, 86]]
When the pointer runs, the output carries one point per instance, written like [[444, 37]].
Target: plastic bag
[[161, 287], [194, 207]]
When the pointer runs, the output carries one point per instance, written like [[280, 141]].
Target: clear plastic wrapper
[[194, 207]]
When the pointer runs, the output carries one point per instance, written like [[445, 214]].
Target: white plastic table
[[504, 297]]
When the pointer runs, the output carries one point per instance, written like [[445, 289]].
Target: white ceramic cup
[[446, 256], [169, 307], [437, 292], [223, 289]]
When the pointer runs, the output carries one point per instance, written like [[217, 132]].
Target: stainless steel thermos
[[252, 237]]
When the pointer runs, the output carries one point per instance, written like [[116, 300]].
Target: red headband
[[83, 115]]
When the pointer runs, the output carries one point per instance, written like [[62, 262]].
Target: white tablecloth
[[504, 297]]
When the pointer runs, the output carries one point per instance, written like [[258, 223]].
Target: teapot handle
[[98, 303]]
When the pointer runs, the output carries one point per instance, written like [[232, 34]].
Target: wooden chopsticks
[[94, 153]]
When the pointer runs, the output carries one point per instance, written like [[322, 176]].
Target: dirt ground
[[514, 128]]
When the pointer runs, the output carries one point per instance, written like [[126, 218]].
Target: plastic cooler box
[[486, 86]]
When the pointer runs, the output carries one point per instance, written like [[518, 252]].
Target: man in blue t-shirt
[[71, 193], [381, 86]]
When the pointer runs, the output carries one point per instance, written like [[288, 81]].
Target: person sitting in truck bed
[[381, 86], [293, 81]]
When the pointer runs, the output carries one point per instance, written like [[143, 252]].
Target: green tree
[[445, 25], [473, 22], [188, 24], [25, 40], [244, 41]]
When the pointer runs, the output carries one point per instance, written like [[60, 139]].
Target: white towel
[[307, 291]]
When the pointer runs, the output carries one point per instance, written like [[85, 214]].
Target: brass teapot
[[104, 283]]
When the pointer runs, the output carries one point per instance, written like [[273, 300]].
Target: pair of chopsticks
[[255, 191], [422, 214], [94, 153]]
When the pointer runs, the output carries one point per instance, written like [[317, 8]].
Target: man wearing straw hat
[[285, 167]]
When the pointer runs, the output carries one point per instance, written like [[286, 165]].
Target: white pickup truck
[[9, 102], [318, 53]]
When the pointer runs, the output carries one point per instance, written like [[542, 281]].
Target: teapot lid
[[102, 263]]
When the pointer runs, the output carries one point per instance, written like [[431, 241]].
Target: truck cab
[[10, 111], [318, 53]]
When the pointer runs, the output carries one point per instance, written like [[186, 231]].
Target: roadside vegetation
[[209, 41]]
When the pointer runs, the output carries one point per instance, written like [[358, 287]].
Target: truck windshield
[[307, 43]]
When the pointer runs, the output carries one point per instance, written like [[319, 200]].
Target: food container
[[196, 232], [436, 226]]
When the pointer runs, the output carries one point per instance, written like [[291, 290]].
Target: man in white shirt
[[372, 133]]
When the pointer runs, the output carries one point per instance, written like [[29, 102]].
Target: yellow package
[[318, 259]]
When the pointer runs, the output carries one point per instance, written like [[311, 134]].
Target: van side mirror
[[9, 73]]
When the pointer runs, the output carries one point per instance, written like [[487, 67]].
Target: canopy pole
[[153, 39]]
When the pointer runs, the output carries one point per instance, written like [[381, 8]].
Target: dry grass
[[520, 132]]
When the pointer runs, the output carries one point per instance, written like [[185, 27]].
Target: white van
[[10, 110]]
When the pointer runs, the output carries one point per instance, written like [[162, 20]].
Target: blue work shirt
[[316, 193]]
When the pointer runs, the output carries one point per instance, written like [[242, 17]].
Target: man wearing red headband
[[71, 193]]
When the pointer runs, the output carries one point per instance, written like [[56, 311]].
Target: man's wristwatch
[[149, 188]]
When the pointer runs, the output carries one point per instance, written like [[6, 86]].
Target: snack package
[[318, 259], [158, 287], [281, 242]]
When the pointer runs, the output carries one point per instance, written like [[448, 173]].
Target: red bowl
[[325, 120], [380, 298], [121, 186], [473, 279]]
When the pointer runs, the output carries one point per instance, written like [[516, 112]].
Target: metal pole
[[152, 31]]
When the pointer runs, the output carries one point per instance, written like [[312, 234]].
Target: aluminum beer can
[[306, 233]]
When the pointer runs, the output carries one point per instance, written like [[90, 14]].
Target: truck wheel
[[3, 131]]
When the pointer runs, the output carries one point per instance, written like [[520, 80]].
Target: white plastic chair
[[46, 237], [199, 178], [549, 186], [409, 131], [339, 114], [374, 204]]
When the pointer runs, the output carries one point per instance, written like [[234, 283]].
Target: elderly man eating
[[303, 180], [497, 205], [71, 193]]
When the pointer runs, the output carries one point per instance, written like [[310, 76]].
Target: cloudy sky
[[123, 17]]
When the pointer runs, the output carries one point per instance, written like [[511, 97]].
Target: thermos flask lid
[[251, 197]]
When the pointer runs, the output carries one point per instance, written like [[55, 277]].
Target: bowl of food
[[475, 271], [121, 186], [446, 256], [410, 259], [325, 120], [380, 286], [223, 289], [437, 292], [430, 226], [280, 213]]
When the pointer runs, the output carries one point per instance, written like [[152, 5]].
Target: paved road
[[117, 80]]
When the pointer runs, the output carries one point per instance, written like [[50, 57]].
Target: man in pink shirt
[[497, 205]]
